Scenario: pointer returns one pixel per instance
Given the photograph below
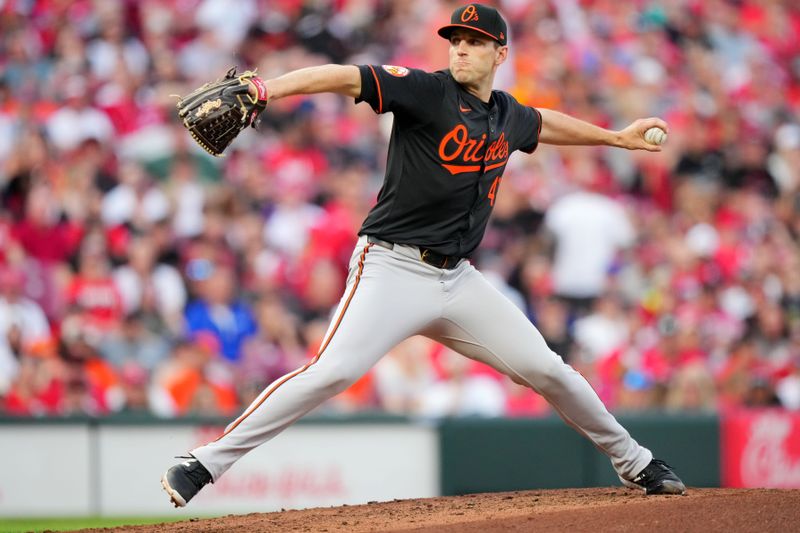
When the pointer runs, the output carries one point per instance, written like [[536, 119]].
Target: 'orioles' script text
[[456, 146]]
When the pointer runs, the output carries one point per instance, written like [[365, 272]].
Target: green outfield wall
[[483, 455]]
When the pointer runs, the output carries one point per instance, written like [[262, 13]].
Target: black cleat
[[184, 480], [656, 478]]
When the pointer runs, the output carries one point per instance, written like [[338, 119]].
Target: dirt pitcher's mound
[[593, 510]]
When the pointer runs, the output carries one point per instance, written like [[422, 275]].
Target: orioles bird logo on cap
[[469, 14]]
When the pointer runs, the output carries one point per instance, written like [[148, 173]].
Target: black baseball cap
[[483, 19]]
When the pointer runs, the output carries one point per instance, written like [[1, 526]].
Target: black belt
[[426, 255]]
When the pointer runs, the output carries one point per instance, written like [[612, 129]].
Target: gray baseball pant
[[392, 295]]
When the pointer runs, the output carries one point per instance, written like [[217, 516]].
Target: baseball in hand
[[655, 135]]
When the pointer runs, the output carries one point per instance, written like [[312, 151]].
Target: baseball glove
[[215, 113]]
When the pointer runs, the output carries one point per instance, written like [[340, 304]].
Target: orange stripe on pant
[[319, 353]]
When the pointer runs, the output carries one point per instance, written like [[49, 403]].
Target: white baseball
[[655, 135]]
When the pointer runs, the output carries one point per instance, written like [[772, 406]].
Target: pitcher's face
[[473, 56]]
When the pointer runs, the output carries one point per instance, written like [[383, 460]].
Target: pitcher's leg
[[381, 307], [481, 323]]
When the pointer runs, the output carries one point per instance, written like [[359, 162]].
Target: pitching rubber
[[177, 499]]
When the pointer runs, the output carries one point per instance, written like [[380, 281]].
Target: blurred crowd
[[138, 274]]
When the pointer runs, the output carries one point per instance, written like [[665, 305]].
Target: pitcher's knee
[[546, 375]]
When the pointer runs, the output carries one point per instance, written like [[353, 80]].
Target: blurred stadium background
[[148, 291]]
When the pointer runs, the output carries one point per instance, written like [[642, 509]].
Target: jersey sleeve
[[530, 126], [388, 88]]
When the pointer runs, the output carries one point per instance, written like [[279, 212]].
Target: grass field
[[15, 525]]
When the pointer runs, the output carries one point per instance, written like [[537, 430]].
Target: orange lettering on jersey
[[457, 147], [472, 150], [471, 13], [457, 135], [498, 149]]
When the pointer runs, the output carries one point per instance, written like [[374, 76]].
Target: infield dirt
[[594, 510]]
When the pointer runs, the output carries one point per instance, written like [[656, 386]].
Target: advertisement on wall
[[307, 466], [115, 470], [761, 449]]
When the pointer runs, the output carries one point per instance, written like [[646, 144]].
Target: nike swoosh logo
[[464, 109]]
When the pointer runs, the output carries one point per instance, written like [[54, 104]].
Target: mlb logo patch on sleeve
[[396, 71]]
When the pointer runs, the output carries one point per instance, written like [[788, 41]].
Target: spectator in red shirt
[[92, 292], [48, 243]]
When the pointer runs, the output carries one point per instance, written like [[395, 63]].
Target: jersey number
[[493, 190]]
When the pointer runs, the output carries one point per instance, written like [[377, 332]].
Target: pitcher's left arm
[[562, 129]]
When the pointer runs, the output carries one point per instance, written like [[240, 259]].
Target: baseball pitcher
[[409, 273]]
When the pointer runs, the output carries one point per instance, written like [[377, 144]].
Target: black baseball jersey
[[447, 154]]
